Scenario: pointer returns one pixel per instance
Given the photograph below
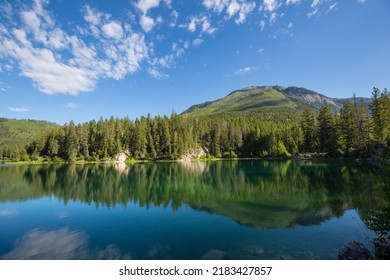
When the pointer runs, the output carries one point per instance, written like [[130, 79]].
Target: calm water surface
[[198, 210]]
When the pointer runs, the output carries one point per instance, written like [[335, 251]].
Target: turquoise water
[[199, 210]]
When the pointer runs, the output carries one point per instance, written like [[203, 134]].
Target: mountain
[[265, 99], [21, 131]]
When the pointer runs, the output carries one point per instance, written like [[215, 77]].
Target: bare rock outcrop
[[194, 153], [121, 157]]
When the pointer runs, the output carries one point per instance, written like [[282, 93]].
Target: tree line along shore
[[355, 131]]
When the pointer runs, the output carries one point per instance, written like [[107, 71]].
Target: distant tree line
[[353, 131]]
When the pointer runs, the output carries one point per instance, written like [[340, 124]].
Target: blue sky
[[79, 60]]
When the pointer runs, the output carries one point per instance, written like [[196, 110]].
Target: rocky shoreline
[[354, 250]]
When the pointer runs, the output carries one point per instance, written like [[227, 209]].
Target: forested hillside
[[16, 134], [353, 131]]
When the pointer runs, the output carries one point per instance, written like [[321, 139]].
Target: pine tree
[[82, 132], [361, 117], [349, 126], [327, 133], [71, 142], [309, 126]]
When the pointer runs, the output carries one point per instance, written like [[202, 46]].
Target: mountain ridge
[[268, 98]]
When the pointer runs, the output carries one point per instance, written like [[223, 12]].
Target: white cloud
[[31, 20], [159, 19], [174, 16], [271, 5], [92, 16], [261, 51], [196, 42], [3, 86], [155, 73], [61, 63], [262, 25], [203, 22], [20, 35], [57, 39], [315, 3], [313, 13], [332, 7], [145, 5], [192, 25], [113, 30], [240, 8], [168, 3], [40, 11], [319, 7], [71, 105], [296, 2], [49, 75], [361, 1], [245, 70], [245, 9], [233, 8], [19, 109], [269, 11], [273, 18], [166, 61], [284, 31], [6, 67], [216, 5], [206, 26], [147, 23]]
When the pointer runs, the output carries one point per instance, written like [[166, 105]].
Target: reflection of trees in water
[[379, 219], [262, 194]]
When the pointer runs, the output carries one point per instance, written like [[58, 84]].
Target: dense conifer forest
[[354, 131]]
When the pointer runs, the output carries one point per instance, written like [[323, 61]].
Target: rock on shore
[[354, 250]]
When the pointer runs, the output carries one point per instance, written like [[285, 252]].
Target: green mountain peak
[[255, 99]]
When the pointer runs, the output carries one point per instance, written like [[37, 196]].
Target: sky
[[63, 60]]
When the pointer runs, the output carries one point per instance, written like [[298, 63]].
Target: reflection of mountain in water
[[261, 194]]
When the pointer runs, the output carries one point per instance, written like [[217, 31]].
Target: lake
[[245, 209]]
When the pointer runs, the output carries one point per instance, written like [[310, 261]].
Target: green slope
[[265, 99], [21, 132], [249, 99]]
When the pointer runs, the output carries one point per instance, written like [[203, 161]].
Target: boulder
[[382, 248], [354, 250], [194, 153], [121, 157]]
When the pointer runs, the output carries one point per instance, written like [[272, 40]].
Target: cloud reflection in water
[[62, 244]]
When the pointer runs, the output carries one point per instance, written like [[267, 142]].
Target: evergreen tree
[[362, 123], [309, 128], [349, 126], [380, 108], [327, 133], [71, 142], [82, 132]]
